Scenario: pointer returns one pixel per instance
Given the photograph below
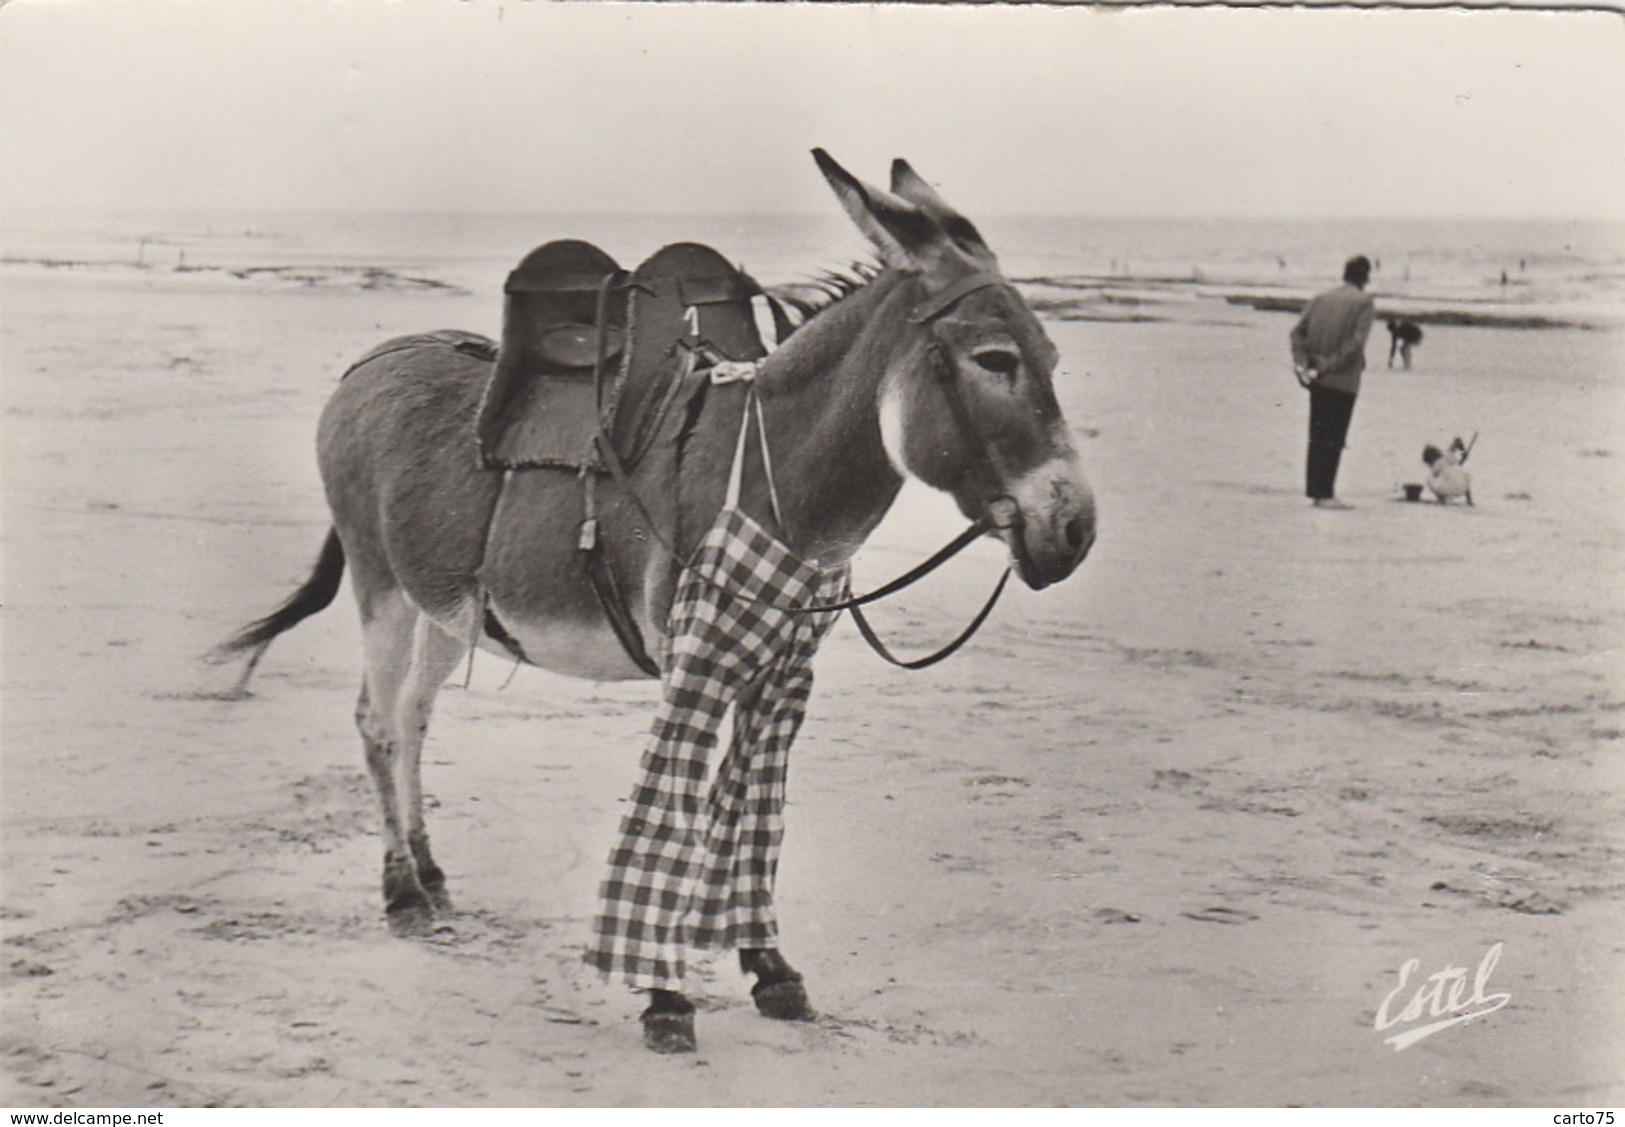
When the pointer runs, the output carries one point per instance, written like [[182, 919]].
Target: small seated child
[[1447, 478]]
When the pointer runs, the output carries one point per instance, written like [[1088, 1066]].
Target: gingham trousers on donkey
[[678, 880]]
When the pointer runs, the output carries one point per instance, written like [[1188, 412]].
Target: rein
[[1002, 512], [626, 630]]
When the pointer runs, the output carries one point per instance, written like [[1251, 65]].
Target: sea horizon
[[1558, 271]]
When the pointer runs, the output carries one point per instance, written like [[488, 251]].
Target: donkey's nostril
[[1080, 537], [1076, 533]]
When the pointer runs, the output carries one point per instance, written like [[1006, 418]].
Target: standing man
[[1328, 355]]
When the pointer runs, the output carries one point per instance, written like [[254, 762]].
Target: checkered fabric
[[694, 865]]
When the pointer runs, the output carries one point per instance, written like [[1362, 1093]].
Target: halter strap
[[753, 406], [1002, 513], [935, 305]]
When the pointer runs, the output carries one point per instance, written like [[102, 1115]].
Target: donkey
[[930, 366]]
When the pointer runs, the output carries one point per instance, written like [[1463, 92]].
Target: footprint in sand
[[1220, 915], [1115, 916]]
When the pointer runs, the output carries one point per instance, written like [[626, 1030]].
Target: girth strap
[[601, 577]]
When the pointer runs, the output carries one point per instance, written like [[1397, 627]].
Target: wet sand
[[1165, 834]]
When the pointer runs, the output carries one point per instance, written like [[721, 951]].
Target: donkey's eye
[[1000, 361]]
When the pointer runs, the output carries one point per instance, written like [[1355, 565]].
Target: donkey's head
[[967, 402]]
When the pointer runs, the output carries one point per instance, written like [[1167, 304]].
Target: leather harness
[[1002, 512]]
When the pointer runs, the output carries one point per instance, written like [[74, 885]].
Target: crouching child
[[1448, 479]]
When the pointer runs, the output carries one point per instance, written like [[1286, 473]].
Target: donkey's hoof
[[665, 1032], [439, 898], [778, 990], [783, 1001], [411, 921]]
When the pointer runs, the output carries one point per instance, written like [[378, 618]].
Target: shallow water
[[1103, 268]]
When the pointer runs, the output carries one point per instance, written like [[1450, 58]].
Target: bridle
[[1002, 513]]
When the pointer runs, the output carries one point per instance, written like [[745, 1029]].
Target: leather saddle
[[558, 317], [586, 346]]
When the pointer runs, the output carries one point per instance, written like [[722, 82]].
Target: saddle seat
[[541, 403], [586, 346]]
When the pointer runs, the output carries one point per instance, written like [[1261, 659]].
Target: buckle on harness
[[734, 371], [588, 539], [1004, 514]]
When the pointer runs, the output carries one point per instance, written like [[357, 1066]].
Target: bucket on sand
[[1413, 491]]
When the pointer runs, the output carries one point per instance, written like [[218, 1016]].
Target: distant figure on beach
[[1447, 477], [1404, 335], [1328, 355]]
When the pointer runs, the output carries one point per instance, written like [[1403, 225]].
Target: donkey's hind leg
[[435, 654], [408, 658]]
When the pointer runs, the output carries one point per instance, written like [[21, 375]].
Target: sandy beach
[[1164, 834]]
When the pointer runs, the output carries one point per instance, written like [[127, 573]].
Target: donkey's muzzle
[[1059, 556], [1052, 533]]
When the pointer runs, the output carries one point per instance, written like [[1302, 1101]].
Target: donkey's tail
[[316, 593]]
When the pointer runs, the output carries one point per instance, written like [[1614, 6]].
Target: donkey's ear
[[911, 186], [905, 235]]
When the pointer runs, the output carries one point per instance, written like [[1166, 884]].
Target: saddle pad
[[541, 406], [687, 303]]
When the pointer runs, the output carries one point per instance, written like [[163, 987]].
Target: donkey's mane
[[817, 294]]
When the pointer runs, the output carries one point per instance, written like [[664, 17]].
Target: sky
[[711, 108]]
